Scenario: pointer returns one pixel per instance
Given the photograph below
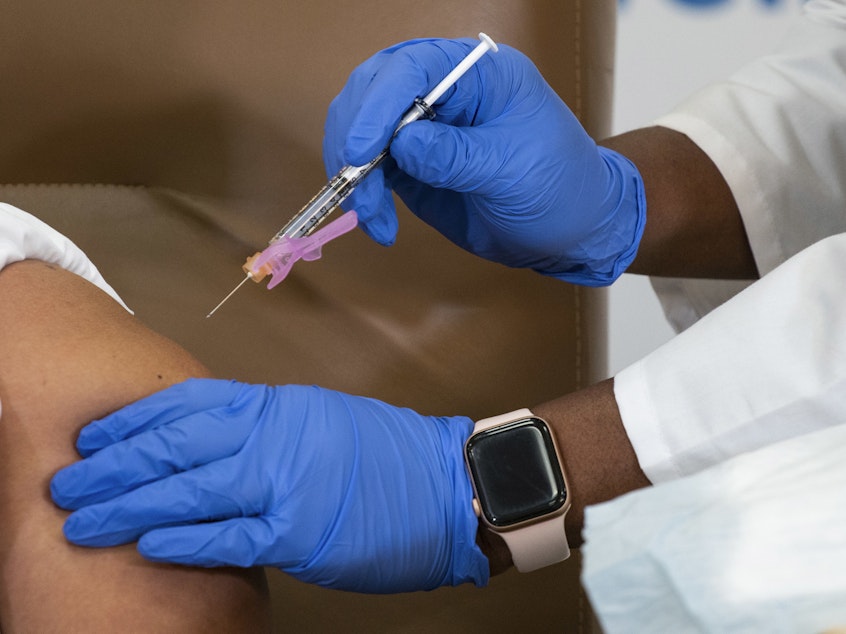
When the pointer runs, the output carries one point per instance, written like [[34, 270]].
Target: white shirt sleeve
[[741, 423], [777, 132], [768, 365], [23, 236], [753, 545]]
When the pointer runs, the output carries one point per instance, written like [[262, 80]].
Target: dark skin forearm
[[693, 226], [598, 457], [693, 229]]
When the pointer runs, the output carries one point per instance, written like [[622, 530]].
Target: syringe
[[340, 186]]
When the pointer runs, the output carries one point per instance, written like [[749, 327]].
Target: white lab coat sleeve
[[755, 544], [23, 237], [768, 365], [777, 132]]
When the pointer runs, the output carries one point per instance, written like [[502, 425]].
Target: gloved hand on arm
[[505, 170], [337, 490]]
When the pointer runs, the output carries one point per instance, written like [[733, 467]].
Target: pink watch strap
[[536, 545]]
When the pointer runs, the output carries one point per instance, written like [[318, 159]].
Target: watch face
[[516, 472]]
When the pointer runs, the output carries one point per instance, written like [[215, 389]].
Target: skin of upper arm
[[69, 354]]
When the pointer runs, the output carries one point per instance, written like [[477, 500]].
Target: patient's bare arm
[[70, 354]]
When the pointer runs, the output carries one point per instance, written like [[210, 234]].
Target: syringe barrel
[[327, 199]]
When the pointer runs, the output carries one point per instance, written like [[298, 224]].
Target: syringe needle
[[231, 293]]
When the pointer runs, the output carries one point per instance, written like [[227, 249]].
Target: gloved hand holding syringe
[[300, 237]]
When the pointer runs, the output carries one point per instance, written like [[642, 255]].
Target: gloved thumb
[[446, 156]]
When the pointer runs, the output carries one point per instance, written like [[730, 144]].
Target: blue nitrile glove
[[337, 490], [505, 170]]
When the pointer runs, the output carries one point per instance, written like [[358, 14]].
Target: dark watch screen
[[516, 472]]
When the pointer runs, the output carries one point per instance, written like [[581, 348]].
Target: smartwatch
[[519, 487]]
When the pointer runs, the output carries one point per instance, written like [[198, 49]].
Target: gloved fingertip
[[75, 530], [91, 440], [89, 528], [80, 529], [61, 487], [378, 235], [382, 229], [174, 546], [377, 216], [150, 546]]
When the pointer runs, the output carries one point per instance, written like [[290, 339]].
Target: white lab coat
[[776, 131], [756, 383]]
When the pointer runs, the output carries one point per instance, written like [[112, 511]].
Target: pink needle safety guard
[[278, 259]]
